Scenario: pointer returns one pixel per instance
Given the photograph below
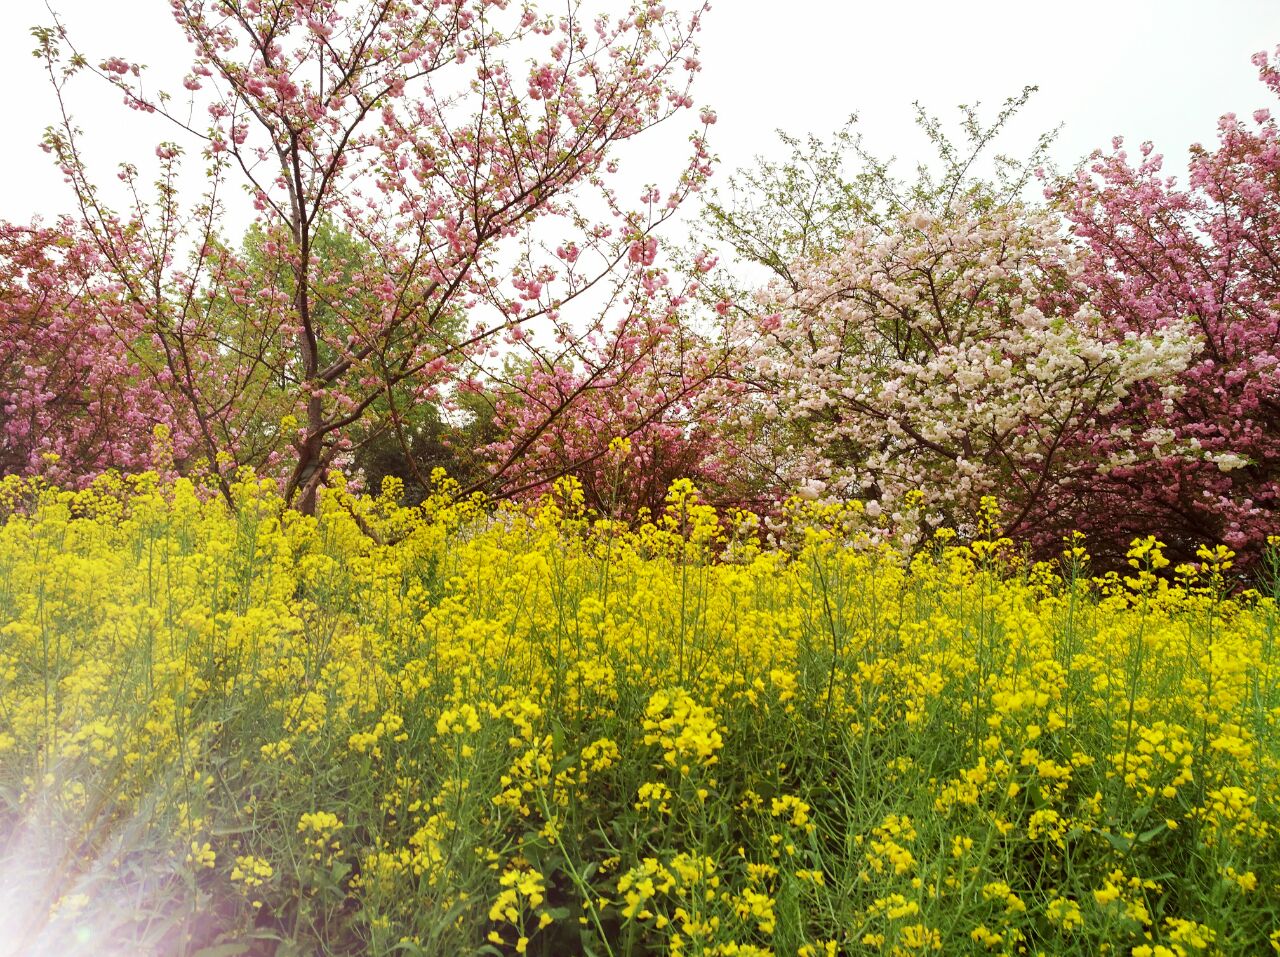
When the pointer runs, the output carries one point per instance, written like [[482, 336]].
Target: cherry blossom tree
[[1206, 467], [480, 187], [73, 402]]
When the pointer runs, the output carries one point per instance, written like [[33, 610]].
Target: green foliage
[[804, 208]]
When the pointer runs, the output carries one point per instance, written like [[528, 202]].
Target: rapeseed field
[[462, 729]]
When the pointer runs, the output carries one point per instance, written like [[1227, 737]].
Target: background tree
[[401, 435], [431, 436]]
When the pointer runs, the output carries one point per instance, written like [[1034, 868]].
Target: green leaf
[[1150, 833], [1119, 842], [234, 949]]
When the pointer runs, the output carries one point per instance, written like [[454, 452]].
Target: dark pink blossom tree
[[469, 145], [74, 399], [1206, 467]]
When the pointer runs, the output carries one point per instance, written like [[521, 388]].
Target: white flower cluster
[[952, 352]]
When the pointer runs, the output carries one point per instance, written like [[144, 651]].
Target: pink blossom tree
[[482, 188], [74, 400], [1205, 467]]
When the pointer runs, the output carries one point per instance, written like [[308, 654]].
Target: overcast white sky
[[1152, 70]]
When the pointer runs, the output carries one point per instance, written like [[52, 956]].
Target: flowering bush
[[951, 352], [625, 415], [525, 731]]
